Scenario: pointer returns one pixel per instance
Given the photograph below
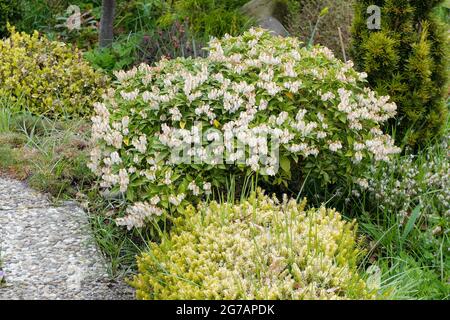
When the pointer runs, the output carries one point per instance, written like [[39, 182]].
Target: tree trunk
[[106, 36]]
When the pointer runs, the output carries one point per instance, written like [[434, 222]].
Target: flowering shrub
[[48, 76], [285, 104], [259, 249]]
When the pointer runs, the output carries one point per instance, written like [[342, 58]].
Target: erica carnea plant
[[406, 59], [259, 249]]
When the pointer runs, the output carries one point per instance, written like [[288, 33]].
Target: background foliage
[[406, 59], [302, 16], [10, 12]]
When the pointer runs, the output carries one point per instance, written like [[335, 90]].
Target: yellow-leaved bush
[[47, 77], [258, 249]]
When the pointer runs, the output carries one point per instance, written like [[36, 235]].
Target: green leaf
[[350, 140], [285, 164], [138, 182], [164, 204], [130, 195], [324, 12], [326, 177], [411, 222]]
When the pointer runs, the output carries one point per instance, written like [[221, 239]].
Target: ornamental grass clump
[[171, 134], [47, 77], [259, 249]]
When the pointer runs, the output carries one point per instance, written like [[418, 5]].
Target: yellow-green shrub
[[259, 249], [49, 77]]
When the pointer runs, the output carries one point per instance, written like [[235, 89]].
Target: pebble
[[48, 251]]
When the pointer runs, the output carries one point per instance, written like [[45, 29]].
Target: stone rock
[[275, 26], [263, 12], [49, 251], [259, 9]]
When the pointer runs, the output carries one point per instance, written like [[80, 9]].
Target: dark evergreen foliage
[[10, 11], [406, 59]]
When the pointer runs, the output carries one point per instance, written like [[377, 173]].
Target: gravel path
[[48, 252]]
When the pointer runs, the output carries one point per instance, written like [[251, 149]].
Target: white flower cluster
[[138, 213], [250, 92], [409, 180]]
